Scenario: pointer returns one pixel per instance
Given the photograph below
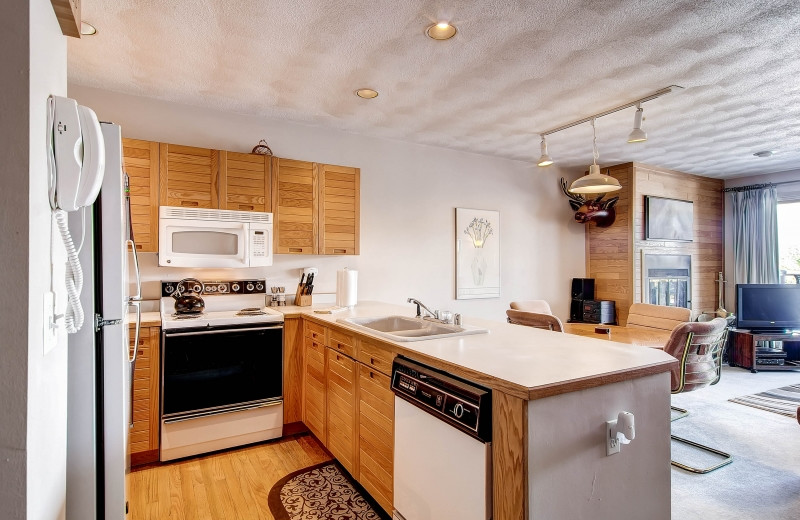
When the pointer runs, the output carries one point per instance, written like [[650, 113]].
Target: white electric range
[[221, 370]]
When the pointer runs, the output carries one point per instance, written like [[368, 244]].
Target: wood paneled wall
[[614, 254], [609, 251]]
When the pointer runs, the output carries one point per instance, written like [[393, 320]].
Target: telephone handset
[[76, 161], [79, 155]]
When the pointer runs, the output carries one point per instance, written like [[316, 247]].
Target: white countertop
[[538, 360]]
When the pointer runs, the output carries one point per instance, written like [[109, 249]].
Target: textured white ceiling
[[514, 69]]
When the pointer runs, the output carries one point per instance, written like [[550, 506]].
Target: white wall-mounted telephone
[[76, 163]]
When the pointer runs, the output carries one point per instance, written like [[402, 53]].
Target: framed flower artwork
[[477, 254]]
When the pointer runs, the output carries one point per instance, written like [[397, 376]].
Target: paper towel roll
[[346, 287]]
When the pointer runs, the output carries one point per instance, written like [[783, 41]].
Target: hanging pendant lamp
[[594, 181]]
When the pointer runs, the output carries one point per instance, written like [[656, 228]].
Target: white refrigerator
[[100, 368]]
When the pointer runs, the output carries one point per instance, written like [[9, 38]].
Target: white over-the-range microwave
[[192, 237]]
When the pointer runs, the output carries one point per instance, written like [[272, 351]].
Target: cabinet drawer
[[314, 331], [342, 366], [342, 342], [375, 357]]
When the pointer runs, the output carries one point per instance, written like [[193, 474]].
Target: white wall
[[408, 196], [32, 385], [786, 193]]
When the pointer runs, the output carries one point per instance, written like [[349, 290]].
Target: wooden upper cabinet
[[245, 181], [140, 161], [294, 206], [189, 176], [339, 201]]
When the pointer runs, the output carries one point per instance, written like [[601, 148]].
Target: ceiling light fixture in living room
[[637, 133], [595, 182]]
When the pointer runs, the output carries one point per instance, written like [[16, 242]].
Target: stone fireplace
[[667, 279]]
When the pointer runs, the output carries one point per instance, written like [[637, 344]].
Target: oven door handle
[[170, 334], [220, 412]]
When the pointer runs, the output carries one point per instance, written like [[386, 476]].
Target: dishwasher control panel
[[461, 403]]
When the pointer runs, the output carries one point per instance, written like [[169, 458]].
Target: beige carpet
[[784, 400], [321, 492]]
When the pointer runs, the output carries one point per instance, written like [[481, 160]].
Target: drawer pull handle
[[189, 203], [338, 358], [246, 207], [371, 362], [295, 249], [371, 374], [339, 251]]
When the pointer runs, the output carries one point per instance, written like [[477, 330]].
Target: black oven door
[[215, 369]]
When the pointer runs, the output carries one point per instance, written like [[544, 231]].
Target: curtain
[[755, 235]]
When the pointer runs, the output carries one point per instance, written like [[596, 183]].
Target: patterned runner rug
[[322, 492], [783, 400]]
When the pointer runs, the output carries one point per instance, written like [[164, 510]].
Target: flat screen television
[[768, 307]]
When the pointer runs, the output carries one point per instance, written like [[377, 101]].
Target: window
[[789, 241]]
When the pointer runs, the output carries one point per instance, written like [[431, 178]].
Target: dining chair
[[535, 319], [647, 315], [540, 306], [698, 348]]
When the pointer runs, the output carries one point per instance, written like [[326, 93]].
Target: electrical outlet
[[612, 443]]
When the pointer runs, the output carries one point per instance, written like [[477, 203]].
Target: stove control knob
[[458, 410], [235, 287], [196, 288], [249, 286], [260, 286], [169, 289], [222, 288]]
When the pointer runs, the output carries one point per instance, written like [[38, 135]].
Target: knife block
[[301, 300]]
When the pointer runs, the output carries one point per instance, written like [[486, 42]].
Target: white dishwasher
[[442, 445]]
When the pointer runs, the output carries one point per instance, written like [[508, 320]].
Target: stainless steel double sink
[[403, 328]]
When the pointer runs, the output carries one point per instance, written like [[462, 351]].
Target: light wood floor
[[231, 485]]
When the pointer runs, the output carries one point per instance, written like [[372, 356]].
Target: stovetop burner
[[185, 316], [251, 311]]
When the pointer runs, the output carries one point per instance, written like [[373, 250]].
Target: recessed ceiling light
[[87, 29], [366, 93], [765, 153], [441, 31]]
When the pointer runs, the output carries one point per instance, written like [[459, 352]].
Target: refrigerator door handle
[[132, 360], [138, 296]]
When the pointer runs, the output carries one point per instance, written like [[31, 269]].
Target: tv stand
[[745, 355]]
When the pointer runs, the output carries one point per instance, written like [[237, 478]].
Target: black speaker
[[583, 288], [576, 311]]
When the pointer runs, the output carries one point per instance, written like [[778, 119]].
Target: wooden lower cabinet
[[376, 435], [348, 404], [341, 381], [314, 388], [144, 436]]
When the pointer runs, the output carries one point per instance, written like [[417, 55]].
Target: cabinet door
[[189, 176], [143, 437], [140, 160], [314, 388], [339, 202], [341, 372], [376, 435], [295, 206], [245, 182]]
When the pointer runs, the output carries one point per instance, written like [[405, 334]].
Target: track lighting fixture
[[595, 182], [637, 135], [545, 159]]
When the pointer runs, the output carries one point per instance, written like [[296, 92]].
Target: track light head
[[545, 159], [637, 135]]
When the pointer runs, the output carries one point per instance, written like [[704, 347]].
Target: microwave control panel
[[219, 287], [259, 241]]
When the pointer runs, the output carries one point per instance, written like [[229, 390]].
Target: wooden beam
[[68, 13]]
